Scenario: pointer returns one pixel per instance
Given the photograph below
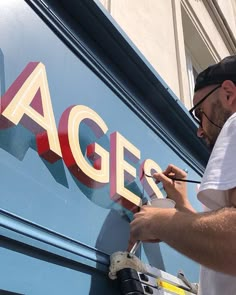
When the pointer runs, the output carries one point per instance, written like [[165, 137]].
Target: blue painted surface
[[47, 194]]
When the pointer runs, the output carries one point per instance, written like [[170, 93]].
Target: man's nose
[[200, 132]]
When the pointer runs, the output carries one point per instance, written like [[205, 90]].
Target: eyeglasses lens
[[198, 115]]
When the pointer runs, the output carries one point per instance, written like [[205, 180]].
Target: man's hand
[[176, 190], [208, 238], [148, 223]]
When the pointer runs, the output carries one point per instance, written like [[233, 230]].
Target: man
[[209, 238]]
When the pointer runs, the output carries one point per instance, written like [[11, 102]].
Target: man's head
[[215, 98]]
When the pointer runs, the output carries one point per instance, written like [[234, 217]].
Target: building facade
[[178, 37], [84, 117]]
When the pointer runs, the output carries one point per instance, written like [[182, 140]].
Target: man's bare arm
[[207, 238]]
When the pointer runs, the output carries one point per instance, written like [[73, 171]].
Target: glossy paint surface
[[47, 194]]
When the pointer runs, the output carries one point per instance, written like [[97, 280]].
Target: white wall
[[228, 8], [149, 24], [162, 28]]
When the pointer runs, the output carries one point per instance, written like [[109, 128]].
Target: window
[[192, 70]]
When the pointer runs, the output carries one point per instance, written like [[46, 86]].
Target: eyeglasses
[[196, 113]]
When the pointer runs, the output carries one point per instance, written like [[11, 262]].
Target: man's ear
[[229, 91]]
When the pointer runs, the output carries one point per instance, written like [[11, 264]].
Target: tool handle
[[138, 243], [134, 248]]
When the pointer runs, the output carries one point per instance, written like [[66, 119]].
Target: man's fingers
[[160, 177], [172, 169], [152, 241]]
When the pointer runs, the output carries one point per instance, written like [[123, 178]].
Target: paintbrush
[[177, 179]]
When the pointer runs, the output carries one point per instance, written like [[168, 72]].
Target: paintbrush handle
[[134, 248], [185, 180], [138, 243], [178, 179]]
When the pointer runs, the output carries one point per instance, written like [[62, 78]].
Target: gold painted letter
[[121, 171], [28, 102], [76, 162], [149, 167]]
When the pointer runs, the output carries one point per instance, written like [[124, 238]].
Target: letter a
[[28, 102]]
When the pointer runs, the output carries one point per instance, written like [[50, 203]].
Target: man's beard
[[219, 117]]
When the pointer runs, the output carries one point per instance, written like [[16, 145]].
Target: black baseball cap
[[217, 73]]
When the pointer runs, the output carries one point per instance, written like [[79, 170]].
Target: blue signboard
[[59, 226]]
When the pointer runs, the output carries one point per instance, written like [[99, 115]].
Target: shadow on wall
[[114, 236]]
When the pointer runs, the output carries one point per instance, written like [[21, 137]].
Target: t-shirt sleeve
[[220, 173]]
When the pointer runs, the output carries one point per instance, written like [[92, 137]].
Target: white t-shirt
[[219, 176]]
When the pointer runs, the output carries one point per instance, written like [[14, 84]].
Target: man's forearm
[[185, 207], [208, 238]]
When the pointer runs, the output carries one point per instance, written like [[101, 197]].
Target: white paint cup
[[162, 203]]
